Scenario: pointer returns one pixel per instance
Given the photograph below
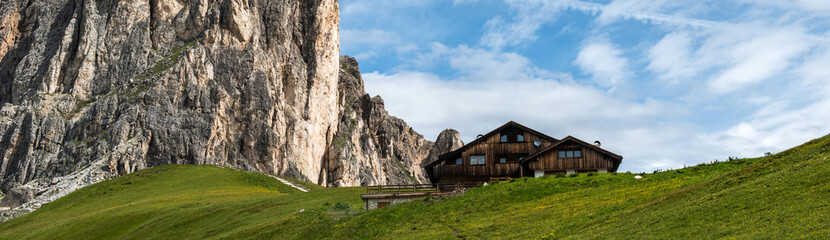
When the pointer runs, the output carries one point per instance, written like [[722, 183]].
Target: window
[[459, 161], [503, 160], [477, 160], [570, 153], [503, 138], [520, 138]]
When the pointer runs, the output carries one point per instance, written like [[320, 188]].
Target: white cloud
[[605, 62], [431, 104], [528, 17], [495, 87], [357, 7], [458, 2], [816, 71], [729, 57], [480, 64], [366, 55], [367, 43], [819, 7], [815, 5], [649, 11], [671, 57], [771, 132], [752, 55], [372, 37]]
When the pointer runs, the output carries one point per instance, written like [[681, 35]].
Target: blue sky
[[663, 83]]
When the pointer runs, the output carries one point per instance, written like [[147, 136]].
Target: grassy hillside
[[786, 195], [178, 201]]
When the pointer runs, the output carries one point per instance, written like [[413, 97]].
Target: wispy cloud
[[604, 61], [820, 7], [671, 57], [752, 55], [731, 56], [529, 16], [369, 37], [647, 11], [368, 42], [522, 26]]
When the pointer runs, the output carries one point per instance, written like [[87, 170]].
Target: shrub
[[341, 206]]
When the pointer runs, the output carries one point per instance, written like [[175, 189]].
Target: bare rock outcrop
[[448, 140], [371, 147]]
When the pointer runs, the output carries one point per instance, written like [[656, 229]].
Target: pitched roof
[[491, 133], [535, 155]]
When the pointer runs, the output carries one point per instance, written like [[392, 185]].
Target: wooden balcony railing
[[419, 188], [412, 188]]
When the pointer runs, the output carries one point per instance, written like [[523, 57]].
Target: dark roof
[[491, 133], [535, 155]]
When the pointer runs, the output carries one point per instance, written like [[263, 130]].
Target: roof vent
[[480, 135], [597, 143]]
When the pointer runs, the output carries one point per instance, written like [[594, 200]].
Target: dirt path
[[290, 184]]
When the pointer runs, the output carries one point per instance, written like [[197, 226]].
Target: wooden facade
[[549, 161], [514, 151]]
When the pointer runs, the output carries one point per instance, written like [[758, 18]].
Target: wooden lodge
[[514, 151]]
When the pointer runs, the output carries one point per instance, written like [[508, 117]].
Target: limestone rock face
[[371, 147], [90, 90]]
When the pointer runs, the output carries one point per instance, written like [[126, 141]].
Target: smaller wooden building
[[513, 150]]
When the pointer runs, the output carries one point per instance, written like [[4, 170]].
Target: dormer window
[[510, 136]]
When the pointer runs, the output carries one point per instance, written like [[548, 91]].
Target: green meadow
[[782, 196]]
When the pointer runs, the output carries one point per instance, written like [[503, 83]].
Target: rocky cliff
[[91, 90], [371, 147]]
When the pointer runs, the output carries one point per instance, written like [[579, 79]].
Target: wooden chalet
[[514, 151]]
